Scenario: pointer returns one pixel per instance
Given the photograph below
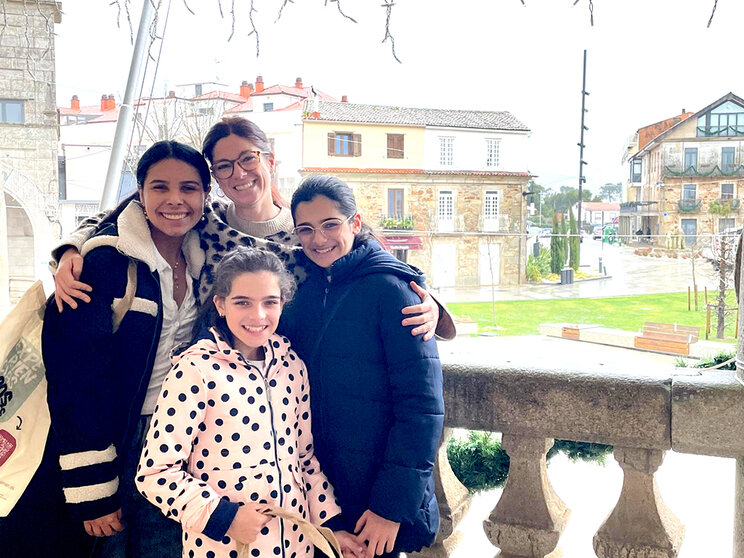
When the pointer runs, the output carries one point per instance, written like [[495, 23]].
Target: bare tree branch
[[232, 13], [282, 9], [338, 4], [187, 7], [389, 7], [715, 5], [591, 10], [253, 27], [4, 26], [219, 5]]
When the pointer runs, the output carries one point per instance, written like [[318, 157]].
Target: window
[[491, 210], [446, 210], [395, 146], [635, 170], [402, 255], [689, 228], [690, 158], [724, 120], [395, 203], [197, 89], [268, 107], [344, 144], [727, 159], [446, 151], [727, 191], [726, 225], [12, 111], [492, 152], [689, 191]]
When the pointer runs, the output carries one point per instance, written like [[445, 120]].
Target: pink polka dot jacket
[[225, 433]]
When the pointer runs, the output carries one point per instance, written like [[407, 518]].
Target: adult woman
[[105, 369], [376, 400], [243, 165]]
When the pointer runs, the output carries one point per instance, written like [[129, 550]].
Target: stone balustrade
[[641, 415]]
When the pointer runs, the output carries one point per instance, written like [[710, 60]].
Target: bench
[[667, 338]]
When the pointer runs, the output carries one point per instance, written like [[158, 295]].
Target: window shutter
[[356, 142], [391, 146], [331, 143], [400, 151]]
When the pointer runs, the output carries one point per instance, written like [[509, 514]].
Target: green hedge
[[481, 463]]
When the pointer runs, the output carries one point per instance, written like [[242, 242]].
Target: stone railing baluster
[[641, 525], [529, 517], [454, 501]]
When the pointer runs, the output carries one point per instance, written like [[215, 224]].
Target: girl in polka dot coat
[[232, 429]]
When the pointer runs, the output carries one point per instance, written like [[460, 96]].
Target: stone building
[[28, 143], [688, 176], [443, 187]]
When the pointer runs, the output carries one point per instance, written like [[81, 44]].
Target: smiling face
[[252, 309], [173, 197], [325, 248], [247, 189]]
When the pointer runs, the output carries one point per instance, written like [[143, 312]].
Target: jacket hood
[[218, 348], [367, 259]]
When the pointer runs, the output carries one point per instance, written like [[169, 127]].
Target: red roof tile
[[221, 95], [303, 93], [247, 106]]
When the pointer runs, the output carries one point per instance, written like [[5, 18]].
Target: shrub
[[533, 270], [481, 463]]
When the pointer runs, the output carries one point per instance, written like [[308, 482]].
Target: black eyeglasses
[[329, 229], [248, 161]]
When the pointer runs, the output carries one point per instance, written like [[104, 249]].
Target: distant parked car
[[546, 232], [597, 232]]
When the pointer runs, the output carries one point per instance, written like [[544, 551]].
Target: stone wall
[[28, 150], [708, 190], [421, 193]]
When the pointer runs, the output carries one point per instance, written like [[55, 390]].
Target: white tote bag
[[24, 414]]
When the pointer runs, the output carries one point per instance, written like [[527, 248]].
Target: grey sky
[[647, 60]]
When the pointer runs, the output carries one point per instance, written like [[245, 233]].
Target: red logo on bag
[[7, 446]]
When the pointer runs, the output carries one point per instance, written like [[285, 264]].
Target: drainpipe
[[124, 123]]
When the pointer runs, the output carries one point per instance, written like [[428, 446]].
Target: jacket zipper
[[276, 452]]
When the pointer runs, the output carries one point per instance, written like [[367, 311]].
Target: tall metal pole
[[581, 142], [124, 123]]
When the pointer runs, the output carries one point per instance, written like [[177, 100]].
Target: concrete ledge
[[707, 414], [618, 407]]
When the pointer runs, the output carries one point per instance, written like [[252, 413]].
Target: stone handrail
[[641, 415]]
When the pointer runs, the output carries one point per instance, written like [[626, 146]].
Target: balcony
[[396, 223], [644, 208], [642, 414], [690, 205], [703, 170], [728, 204]]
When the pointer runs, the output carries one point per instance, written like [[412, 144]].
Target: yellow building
[[442, 188]]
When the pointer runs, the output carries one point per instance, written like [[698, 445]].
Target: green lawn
[[626, 312]]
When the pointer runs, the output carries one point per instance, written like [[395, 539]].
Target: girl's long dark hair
[[236, 262]]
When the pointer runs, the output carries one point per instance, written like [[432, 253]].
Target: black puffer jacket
[[376, 390]]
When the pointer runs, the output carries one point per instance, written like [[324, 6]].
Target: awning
[[400, 242]]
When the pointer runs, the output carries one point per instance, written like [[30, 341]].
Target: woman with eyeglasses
[[255, 214], [377, 407]]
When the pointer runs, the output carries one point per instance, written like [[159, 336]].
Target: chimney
[[246, 89], [104, 102], [344, 99], [259, 84], [75, 103], [171, 94], [683, 111], [298, 83]]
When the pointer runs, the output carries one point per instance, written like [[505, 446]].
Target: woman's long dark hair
[[338, 192], [236, 262]]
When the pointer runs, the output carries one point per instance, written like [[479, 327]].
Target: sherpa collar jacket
[[97, 378]]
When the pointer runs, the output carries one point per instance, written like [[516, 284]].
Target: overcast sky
[[647, 60]]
